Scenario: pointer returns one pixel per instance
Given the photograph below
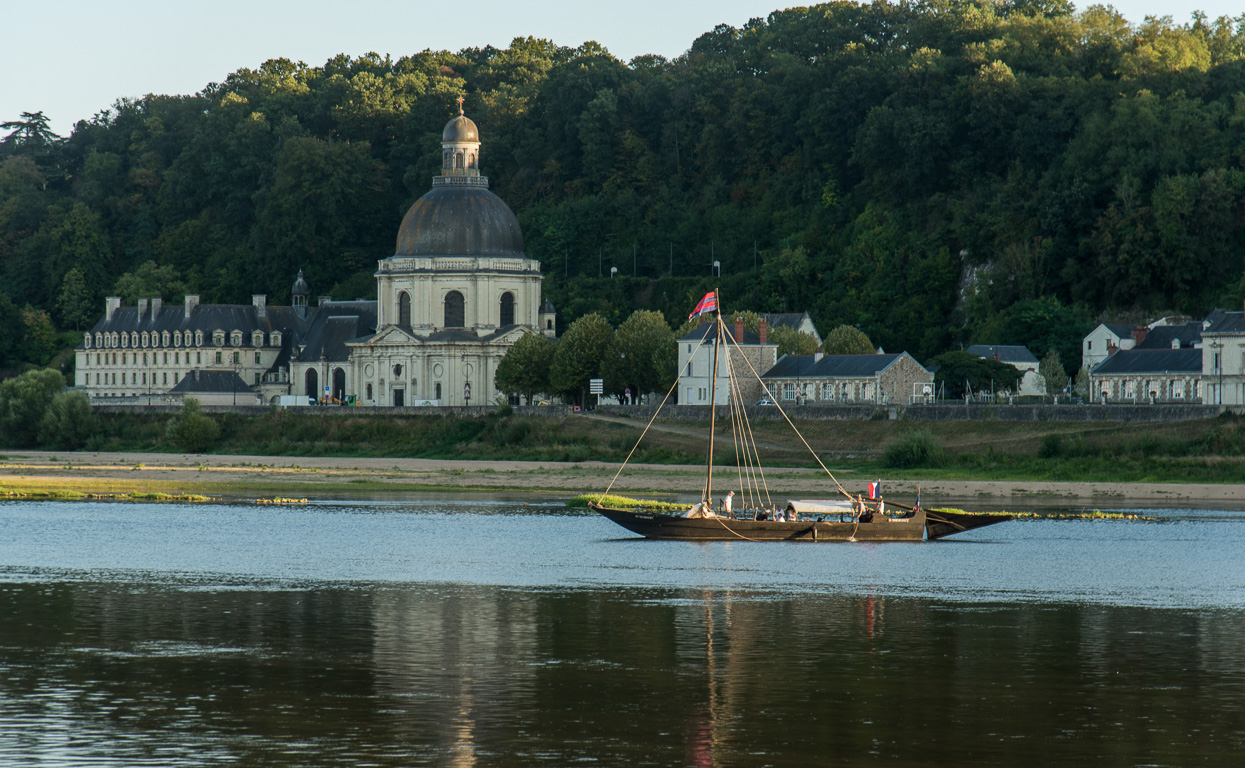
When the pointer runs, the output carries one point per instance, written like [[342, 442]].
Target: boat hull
[[940, 523], [657, 526]]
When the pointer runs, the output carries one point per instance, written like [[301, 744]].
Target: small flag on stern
[[708, 304], [875, 490]]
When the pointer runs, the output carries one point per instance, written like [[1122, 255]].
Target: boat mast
[[713, 397]]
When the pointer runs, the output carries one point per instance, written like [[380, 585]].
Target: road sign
[[596, 386]]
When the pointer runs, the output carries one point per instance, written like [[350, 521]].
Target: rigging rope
[[641, 437]]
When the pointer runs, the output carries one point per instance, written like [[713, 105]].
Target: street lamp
[[1218, 346], [237, 367], [467, 384]]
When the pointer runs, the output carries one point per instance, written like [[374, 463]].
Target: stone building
[[845, 379], [1172, 375], [456, 294]]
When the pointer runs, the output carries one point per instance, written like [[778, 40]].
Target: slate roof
[[211, 381], [335, 324], [1004, 353], [206, 318], [1161, 337], [1123, 330], [1227, 322], [1126, 361], [829, 366]]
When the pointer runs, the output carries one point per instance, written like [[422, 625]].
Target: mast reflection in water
[[191, 667]]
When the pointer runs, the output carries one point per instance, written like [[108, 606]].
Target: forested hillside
[[933, 172]]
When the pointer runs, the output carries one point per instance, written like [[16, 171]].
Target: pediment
[[393, 336]]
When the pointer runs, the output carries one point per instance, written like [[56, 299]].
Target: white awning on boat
[[819, 507]]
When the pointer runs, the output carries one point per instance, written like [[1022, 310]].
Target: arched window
[[404, 309], [447, 162], [311, 385], [339, 384], [164, 339], [438, 391], [177, 338], [133, 338], [458, 161], [235, 339], [198, 338], [86, 341], [369, 392], [455, 310], [99, 339], [274, 338], [397, 370], [257, 338], [145, 339], [218, 338], [471, 160], [507, 308]]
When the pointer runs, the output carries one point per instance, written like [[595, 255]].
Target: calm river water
[[491, 632]]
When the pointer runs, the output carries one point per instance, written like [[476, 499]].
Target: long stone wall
[[959, 412]]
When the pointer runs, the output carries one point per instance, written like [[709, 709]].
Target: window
[[1089, 344], [368, 390], [437, 389], [827, 391], [1130, 389], [397, 370], [507, 308], [257, 377], [237, 357], [164, 339], [177, 338], [1176, 388], [218, 359], [257, 358], [788, 391], [145, 338], [404, 308], [455, 310], [257, 339], [133, 338], [867, 393], [164, 378], [198, 338], [689, 368], [235, 339], [274, 339]]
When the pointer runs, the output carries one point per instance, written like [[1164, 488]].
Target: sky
[[73, 58]]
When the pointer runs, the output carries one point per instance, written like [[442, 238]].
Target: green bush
[[918, 448], [191, 430], [1051, 447]]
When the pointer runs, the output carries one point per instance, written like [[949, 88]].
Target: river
[[486, 630]]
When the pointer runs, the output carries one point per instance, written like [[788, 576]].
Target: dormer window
[[198, 338], [146, 339], [164, 339], [86, 341], [218, 338], [99, 340], [235, 339], [133, 338], [274, 338], [125, 340], [257, 339], [177, 338]]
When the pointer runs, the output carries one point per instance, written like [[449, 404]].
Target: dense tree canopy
[[933, 173]]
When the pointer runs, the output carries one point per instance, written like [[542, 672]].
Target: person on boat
[[863, 514], [726, 503]]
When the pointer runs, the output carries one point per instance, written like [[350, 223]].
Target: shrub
[[918, 448], [191, 430], [23, 402], [1051, 447]]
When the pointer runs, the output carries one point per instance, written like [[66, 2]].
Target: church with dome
[[452, 299]]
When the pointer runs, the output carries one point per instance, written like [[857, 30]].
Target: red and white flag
[[708, 304], [875, 490]]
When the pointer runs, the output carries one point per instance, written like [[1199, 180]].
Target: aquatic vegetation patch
[[584, 499]]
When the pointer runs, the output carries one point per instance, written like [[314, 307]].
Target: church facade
[[457, 293]]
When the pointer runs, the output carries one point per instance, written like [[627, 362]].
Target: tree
[[846, 340], [960, 371], [793, 342], [38, 336], [11, 332], [149, 280], [68, 422], [642, 356], [1052, 372], [23, 402], [191, 430], [526, 367], [578, 356], [31, 132], [76, 304]]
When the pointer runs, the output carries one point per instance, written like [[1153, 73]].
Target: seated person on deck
[[701, 509]]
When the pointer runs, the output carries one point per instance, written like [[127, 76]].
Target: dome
[[300, 286], [460, 221], [460, 128]]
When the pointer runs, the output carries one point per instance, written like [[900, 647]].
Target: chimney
[[763, 331], [192, 301], [260, 302], [156, 303], [324, 300], [818, 355], [1139, 334], [142, 308], [739, 330], [110, 305]]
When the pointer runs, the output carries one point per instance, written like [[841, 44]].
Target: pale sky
[[73, 58]]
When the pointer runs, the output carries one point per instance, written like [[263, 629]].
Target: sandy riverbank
[[266, 475]]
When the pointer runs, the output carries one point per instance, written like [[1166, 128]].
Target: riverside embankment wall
[[957, 412]]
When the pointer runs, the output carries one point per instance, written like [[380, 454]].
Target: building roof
[[1004, 353], [335, 324], [830, 366], [1184, 336], [459, 221], [1128, 361], [1122, 330], [1225, 322], [201, 381], [206, 318]]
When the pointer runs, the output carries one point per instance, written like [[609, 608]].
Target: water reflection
[[473, 676], [400, 634]]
